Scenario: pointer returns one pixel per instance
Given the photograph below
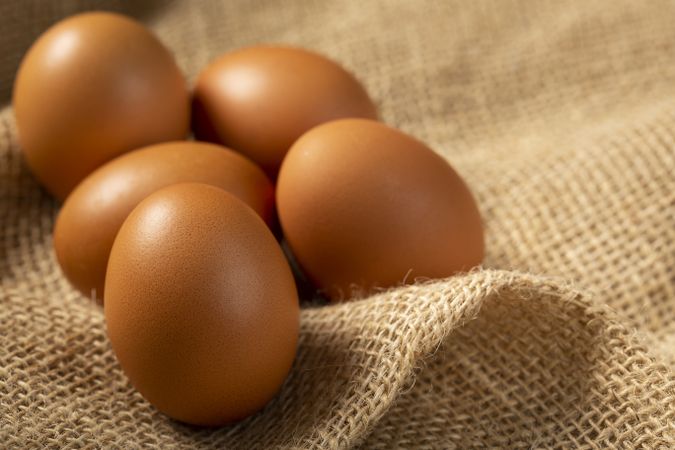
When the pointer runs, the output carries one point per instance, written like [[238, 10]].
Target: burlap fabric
[[561, 117]]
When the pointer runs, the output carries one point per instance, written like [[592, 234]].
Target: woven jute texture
[[561, 117]]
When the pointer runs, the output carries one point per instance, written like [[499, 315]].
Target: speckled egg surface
[[201, 307]]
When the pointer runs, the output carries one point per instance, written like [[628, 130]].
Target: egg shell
[[259, 100], [363, 205], [94, 212], [94, 86], [201, 308]]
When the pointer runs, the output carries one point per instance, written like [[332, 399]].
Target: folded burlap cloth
[[560, 116]]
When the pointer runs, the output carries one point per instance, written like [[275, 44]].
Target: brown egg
[[201, 307], [363, 206], [259, 100], [93, 214], [91, 87]]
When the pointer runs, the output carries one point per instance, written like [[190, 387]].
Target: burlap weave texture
[[560, 115]]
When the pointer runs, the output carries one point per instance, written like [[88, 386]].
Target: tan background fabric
[[560, 115]]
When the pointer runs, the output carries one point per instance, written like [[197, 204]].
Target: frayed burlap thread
[[560, 117]]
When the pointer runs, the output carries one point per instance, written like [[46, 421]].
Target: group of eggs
[[181, 237]]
